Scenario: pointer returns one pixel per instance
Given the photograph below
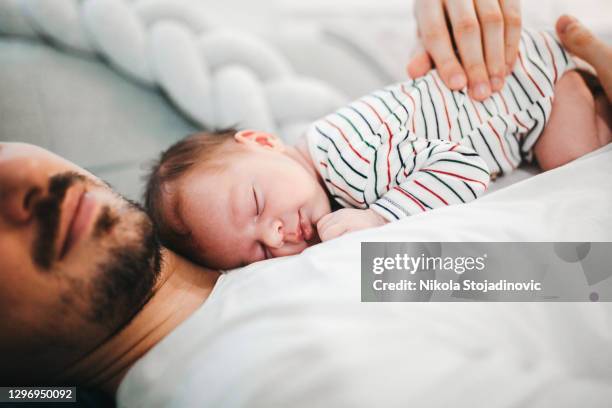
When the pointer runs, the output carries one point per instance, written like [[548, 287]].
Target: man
[[86, 290]]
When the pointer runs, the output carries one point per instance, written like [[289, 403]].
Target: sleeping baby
[[230, 198]]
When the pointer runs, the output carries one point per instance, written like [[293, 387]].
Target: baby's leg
[[575, 128]]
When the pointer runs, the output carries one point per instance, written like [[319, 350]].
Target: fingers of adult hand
[[467, 36], [419, 63], [492, 26], [437, 41], [511, 10], [580, 41]]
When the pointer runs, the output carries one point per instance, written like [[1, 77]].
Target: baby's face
[[263, 204]]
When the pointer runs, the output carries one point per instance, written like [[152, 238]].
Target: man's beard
[[125, 280], [119, 284]]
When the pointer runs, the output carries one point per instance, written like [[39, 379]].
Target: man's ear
[[256, 138]]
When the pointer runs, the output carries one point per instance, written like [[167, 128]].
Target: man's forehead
[[15, 150]]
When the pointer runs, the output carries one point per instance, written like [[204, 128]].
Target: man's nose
[[273, 235], [22, 183]]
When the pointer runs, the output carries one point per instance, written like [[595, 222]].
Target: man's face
[[263, 204], [76, 260]]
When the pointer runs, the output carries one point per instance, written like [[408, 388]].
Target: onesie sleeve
[[440, 173]]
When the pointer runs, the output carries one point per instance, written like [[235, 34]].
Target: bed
[[313, 343], [293, 332]]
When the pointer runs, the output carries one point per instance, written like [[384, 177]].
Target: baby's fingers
[[332, 231], [324, 222]]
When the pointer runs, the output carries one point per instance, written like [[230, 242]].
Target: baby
[[230, 198]]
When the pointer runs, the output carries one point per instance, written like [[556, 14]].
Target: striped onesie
[[418, 145]]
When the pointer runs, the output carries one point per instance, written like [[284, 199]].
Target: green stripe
[[431, 151], [387, 106], [467, 164], [375, 177], [342, 177], [355, 129], [441, 181]]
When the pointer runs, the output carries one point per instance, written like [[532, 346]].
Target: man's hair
[[202, 148]]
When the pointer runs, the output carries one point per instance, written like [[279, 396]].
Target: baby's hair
[[202, 148]]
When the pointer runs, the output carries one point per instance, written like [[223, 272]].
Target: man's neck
[[181, 290]]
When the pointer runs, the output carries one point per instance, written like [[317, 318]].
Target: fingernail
[[481, 91], [566, 23], [457, 81], [497, 83]]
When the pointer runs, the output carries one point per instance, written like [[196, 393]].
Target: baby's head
[[226, 199]]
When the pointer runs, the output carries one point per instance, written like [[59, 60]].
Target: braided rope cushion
[[216, 76]]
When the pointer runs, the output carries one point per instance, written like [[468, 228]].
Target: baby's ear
[[256, 138]]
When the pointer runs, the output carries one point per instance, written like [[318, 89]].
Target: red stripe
[[390, 143], [500, 144], [413, 106], [477, 113], [440, 198], [529, 75], [519, 122], [456, 175], [347, 141], [501, 95], [323, 164], [410, 197], [551, 55], [445, 108], [453, 148], [345, 192]]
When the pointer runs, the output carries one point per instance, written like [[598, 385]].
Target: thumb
[[581, 42]]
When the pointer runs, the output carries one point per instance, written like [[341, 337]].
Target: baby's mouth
[[314, 240], [305, 226]]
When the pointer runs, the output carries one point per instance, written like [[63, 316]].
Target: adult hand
[[487, 35], [578, 40]]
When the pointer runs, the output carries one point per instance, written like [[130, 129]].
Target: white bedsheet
[[292, 332]]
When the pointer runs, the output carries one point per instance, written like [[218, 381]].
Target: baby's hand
[[346, 220]]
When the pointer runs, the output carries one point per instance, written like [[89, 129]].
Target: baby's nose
[[274, 236]]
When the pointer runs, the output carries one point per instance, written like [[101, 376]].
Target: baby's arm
[[438, 173]]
